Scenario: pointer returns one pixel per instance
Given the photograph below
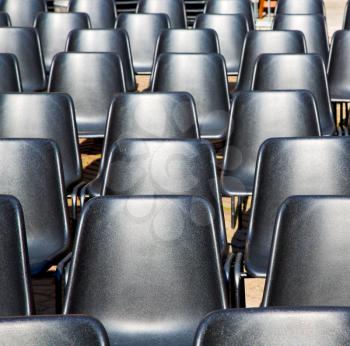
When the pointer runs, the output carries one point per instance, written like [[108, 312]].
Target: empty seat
[[23, 13], [261, 42], [92, 92], [52, 330], [16, 296], [31, 171], [53, 30], [231, 30], [243, 7], [309, 249], [300, 7], [174, 9], [146, 115], [102, 13], [4, 19], [150, 260], [165, 167], [283, 326], [313, 26], [204, 77], [143, 31], [105, 40], [25, 45], [296, 71], [44, 115], [10, 76]]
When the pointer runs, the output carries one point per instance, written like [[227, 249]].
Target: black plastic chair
[[313, 26], [145, 115], [243, 7], [143, 31], [105, 40], [10, 80], [296, 71], [262, 42], [5, 19], [24, 43], [287, 167], [23, 13], [161, 252], [300, 7], [276, 326], [102, 13], [166, 167], [174, 9], [204, 77], [255, 117], [52, 330], [231, 30], [92, 92], [309, 263], [53, 30], [16, 296], [346, 23]]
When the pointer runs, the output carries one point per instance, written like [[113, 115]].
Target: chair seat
[[214, 128], [239, 185]]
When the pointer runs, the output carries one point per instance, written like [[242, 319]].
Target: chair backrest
[[92, 92], [309, 249], [24, 43], [300, 7], [105, 40], [174, 9], [276, 326], [53, 30], [52, 330], [346, 22], [204, 77], [263, 42], [30, 170], [5, 19], [255, 117], [102, 13], [143, 31], [10, 80], [243, 7], [231, 30], [16, 296], [146, 115], [338, 67], [44, 115], [313, 26], [297, 71], [287, 167], [165, 167], [23, 13], [161, 271]]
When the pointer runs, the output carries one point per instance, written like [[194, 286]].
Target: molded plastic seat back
[[25, 45], [174, 9], [53, 330], [243, 7], [105, 40], [255, 117], [288, 167], [204, 77], [16, 296], [313, 26], [346, 23], [30, 170], [92, 92], [293, 72], [300, 7], [263, 42], [161, 271], [53, 30], [48, 116], [10, 80], [277, 326], [23, 13], [102, 13], [5, 19], [146, 115], [143, 31], [231, 30], [309, 249]]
